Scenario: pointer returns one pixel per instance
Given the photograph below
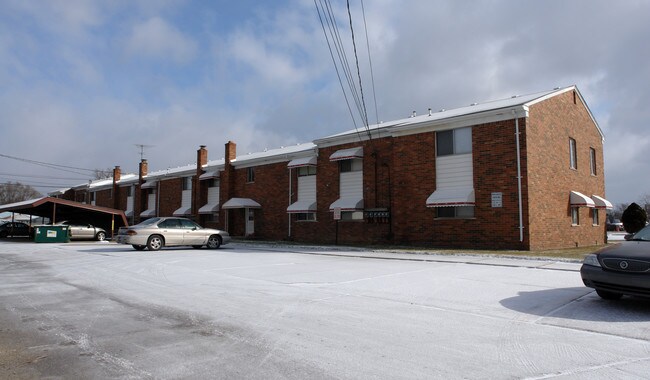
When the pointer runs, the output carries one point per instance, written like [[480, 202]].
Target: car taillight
[[131, 232]]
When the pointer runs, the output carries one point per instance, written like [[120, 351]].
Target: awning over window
[[580, 200], [602, 202], [209, 175], [452, 197], [183, 210], [347, 204], [299, 162], [347, 154], [301, 207], [240, 203], [149, 185], [148, 213], [209, 208]]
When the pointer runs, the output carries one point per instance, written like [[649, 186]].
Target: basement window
[[459, 212]]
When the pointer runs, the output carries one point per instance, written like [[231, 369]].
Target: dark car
[[15, 229], [620, 269]]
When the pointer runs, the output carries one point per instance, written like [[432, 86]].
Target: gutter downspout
[[521, 216], [289, 214]]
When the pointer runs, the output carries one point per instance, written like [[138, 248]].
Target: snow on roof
[[474, 108], [173, 172], [285, 153]]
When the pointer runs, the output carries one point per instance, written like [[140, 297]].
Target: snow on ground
[[244, 311]]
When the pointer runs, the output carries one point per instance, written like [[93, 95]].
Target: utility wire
[[364, 114], [50, 165], [372, 76]]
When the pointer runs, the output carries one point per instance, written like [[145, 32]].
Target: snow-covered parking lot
[[102, 310]]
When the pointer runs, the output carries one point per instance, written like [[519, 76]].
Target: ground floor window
[[575, 216], [306, 217], [460, 212], [211, 217], [351, 215], [594, 217]]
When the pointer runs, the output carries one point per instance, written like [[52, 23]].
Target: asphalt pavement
[[102, 310]]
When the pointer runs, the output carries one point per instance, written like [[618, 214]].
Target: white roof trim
[[603, 203], [304, 161], [209, 175], [209, 208], [347, 154], [148, 213], [301, 207], [149, 184], [580, 200], [240, 203], [183, 210], [347, 204], [452, 197]]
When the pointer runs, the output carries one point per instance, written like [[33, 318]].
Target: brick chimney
[[143, 169], [231, 151], [117, 174]]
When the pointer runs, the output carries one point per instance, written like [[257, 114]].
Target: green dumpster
[[51, 234]]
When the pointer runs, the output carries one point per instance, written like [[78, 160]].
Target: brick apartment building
[[521, 173]]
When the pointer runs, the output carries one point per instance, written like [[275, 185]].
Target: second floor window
[[250, 175], [187, 183], [573, 155], [592, 160], [454, 141]]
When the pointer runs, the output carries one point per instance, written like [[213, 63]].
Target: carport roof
[[62, 209]]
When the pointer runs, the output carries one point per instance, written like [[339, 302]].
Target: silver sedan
[[156, 233]]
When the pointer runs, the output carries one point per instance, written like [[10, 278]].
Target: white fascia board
[[352, 137], [461, 121]]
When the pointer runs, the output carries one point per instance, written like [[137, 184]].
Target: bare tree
[[103, 173], [645, 202], [16, 192]]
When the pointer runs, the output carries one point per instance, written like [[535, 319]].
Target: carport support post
[[112, 226], [53, 214]]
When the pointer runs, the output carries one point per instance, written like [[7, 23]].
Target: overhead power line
[[65, 168]]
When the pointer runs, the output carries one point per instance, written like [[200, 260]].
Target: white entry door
[[250, 221]]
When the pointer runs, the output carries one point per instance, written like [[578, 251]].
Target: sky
[[82, 83]]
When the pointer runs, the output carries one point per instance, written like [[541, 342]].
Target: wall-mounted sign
[[497, 199]]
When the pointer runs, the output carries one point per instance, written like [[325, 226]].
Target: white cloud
[[157, 39]]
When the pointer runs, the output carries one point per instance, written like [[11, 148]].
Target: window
[[188, 224], [128, 191], [92, 196], [306, 217], [592, 160], [352, 165], [250, 175], [170, 223], [573, 155], [187, 183], [575, 216], [460, 212], [594, 216], [151, 191], [455, 141], [213, 182], [307, 170]]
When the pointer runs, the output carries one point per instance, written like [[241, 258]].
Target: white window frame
[[595, 217]]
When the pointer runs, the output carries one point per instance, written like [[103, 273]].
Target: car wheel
[[139, 247], [604, 294], [100, 236], [155, 242], [214, 242], [197, 246]]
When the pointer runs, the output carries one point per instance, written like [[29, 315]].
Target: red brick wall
[[551, 124], [104, 198], [169, 196]]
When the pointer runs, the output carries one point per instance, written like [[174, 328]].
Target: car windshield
[[643, 235]]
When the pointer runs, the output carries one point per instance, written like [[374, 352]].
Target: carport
[[58, 210]]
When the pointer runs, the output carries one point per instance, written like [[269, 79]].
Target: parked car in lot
[[614, 225], [84, 231], [621, 269], [156, 233], [15, 229]]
